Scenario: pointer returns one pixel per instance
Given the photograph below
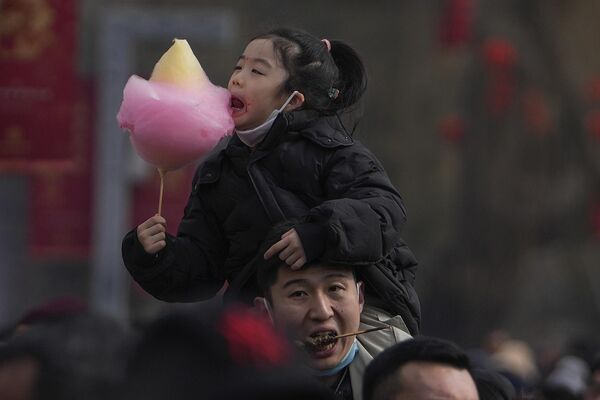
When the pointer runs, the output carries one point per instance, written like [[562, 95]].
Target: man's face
[[315, 301], [421, 380]]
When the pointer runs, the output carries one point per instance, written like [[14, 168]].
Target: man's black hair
[[266, 270]]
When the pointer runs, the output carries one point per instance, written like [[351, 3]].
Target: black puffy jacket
[[307, 167]]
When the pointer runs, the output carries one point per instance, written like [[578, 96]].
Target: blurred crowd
[[62, 350]]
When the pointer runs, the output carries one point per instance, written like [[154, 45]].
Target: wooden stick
[[332, 338], [162, 173], [360, 332]]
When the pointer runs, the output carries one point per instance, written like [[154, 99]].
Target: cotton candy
[[178, 115]]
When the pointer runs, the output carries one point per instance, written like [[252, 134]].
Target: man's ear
[[296, 102], [361, 294]]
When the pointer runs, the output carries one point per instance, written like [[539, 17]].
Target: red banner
[[60, 208], [38, 115]]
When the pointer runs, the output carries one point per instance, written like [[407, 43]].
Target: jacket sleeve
[[362, 219], [189, 267]]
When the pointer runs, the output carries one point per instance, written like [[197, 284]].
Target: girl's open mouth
[[237, 104]]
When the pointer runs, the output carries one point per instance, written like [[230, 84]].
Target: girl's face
[[256, 85]]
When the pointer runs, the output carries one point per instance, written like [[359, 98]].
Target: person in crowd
[[69, 358], [492, 385], [419, 369], [317, 303], [216, 352], [295, 101]]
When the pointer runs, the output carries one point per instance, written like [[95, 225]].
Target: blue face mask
[[348, 358], [252, 137]]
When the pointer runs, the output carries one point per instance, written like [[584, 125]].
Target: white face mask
[[254, 136]]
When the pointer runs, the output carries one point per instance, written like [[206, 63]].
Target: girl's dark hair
[[317, 72]]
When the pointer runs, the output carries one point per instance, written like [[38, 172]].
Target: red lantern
[[456, 23], [499, 53], [500, 58]]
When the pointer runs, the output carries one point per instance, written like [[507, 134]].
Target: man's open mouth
[[321, 341]]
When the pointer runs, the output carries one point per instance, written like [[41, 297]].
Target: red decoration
[[499, 53], [452, 128], [593, 123], [500, 59], [252, 339], [38, 85], [536, 112], [456, 23], [60, 209]]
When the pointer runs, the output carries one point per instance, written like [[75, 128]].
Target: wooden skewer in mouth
[[314, 341], [360, 332]]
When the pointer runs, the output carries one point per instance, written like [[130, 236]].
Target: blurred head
[[216, 353], [492, 385], [53, 311], [421, 368], [81, 356]]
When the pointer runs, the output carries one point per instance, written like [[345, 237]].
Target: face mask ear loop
[[294, 93], [268, 308]]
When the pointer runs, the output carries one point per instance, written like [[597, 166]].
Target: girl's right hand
[[152, 234]]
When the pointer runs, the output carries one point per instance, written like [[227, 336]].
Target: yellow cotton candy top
[[179, 66]]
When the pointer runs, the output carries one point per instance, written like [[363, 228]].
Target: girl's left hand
[[290, 250]]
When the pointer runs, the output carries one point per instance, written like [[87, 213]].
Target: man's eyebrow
[[263, 61], [293, 282], [338, 275]]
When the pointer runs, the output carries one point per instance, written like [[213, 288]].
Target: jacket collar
[[327, 131], [324, 130]]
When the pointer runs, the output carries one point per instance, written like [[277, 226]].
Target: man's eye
[[257, 71], [298, 293], [237, 67], [336, 288]]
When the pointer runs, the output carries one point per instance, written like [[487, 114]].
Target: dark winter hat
[[217, 353]]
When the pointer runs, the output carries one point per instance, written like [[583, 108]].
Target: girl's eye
[[257, 72], [237, 67]]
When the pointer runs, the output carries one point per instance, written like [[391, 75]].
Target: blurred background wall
[[486, 115]]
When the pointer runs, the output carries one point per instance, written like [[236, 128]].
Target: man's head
[[316, 300], [421, 368]]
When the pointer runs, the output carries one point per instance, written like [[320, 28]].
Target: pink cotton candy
[[171, 126]]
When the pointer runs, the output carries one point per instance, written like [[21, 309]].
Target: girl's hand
[[290, 250], [152, 234]]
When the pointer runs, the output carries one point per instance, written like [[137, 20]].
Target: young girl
[[292, 156]]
